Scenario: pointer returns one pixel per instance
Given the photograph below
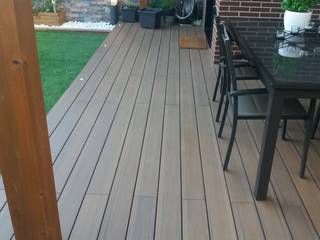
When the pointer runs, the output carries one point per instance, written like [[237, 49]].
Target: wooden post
[[25, 159]]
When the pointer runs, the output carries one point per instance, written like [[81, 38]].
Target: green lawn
[[62, 55]]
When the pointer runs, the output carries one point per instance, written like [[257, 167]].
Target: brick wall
[[249, 8]]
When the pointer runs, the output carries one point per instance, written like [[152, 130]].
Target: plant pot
[[295, 21], [168, 12], [150, 17], [129, 14], [167, 21], [51, 19], [113, 12], [294, 50]]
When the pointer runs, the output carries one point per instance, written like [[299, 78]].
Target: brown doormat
[[193, 42]]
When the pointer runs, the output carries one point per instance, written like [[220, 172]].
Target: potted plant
[[151, 17], [297, 14], [168, 11], [48, 12], [130, 12]]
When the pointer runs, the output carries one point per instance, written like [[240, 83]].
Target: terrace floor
[[136, 155]]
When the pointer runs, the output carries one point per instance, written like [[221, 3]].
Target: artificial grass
[[62, 55]]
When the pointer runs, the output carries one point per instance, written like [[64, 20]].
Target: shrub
[[46, 6], [131, 4], [155, 4], [166, 4], [299, 5]]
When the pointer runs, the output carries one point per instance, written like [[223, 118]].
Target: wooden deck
[[136, 155]]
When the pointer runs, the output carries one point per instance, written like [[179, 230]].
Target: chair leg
[[284, 129], [221, 101], [231, 142], [222, 95], [307, 138], [224, 116], [217, 84], [316, 123]]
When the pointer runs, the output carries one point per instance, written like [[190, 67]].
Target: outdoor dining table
[[289, 66]]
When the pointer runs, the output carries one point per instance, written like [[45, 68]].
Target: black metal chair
[[316, 123], [251, 104], [244, 69]]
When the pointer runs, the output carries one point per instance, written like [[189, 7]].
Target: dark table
[[288, 68]]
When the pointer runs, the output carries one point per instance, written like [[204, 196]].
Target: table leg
[[268, 144]]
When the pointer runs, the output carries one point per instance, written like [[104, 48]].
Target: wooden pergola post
[[25, 159]]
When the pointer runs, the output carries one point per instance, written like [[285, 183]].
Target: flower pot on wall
[[295, 21], [129, 14], [150, 17], [48, 18]]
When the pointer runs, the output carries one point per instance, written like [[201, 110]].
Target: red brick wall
[[250, 8]]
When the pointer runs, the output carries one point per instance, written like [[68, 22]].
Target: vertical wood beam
[[25, 159]]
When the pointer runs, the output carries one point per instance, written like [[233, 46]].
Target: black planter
[[113, 12], [168, 12], [150, 17], [129, 14]]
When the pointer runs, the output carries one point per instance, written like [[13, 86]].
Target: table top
[[292, 62]]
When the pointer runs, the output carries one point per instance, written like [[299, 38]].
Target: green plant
[[299, 5], [46, 6], [167, 4], [131, 4], [155, 4]]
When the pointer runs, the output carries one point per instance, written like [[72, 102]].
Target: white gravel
[[80, 26]]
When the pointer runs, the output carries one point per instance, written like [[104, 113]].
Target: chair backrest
[[218, 26], [220, 38], [226, 48]]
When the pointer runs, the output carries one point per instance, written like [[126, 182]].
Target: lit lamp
[[114, 12]]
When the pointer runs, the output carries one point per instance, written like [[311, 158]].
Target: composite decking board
[[117, 212], [141, 226], [308, 190], [111, 152], [116, 218], [192, 184], [81, 175], [79, 136], [295, 134], [169, 206], [1, 183], [89, 219], [99, 80], [168, 219], [221, 222], [103, 177], [141, 159], [64, 103], [3, 199], [195, 226], [6, 229]]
